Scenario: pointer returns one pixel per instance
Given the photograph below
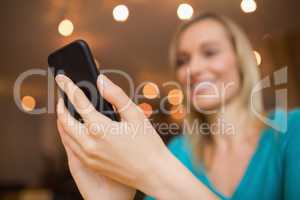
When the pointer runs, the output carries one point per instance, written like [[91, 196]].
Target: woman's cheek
[[220, 65], [229, 81]]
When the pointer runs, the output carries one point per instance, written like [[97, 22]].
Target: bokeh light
[[178, 112], [175, 97], [150, 91], [248, 6], [257, 57], [97, 64], [66, 27], [147, 109], [120, 13], [28, 103], [185, 11]]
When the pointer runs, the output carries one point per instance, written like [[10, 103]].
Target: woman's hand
[[124, 151], [130, 151], [92, 185]]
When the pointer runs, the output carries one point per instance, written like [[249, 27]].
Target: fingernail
[[59, 80], [102, 80], [59, 77]]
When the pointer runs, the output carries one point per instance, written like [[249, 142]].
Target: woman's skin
[[91, 184], [131, 153]]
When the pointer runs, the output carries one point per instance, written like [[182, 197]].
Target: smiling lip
[[202, 86]]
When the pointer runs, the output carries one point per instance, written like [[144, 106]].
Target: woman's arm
[[130, 152], [172, 180]]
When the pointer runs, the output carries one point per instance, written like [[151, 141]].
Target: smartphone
[[76, 61]]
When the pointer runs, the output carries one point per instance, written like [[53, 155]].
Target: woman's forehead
[[205, 32]]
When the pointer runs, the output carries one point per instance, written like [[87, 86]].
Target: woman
[[248, 160]]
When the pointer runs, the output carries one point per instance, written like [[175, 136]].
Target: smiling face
[[207, 64]]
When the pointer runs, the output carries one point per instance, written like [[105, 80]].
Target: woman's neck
[[232, 126]]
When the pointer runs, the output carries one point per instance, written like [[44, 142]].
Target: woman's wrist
[[168, 179]]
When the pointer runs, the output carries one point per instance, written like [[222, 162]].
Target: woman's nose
[[196, 66]]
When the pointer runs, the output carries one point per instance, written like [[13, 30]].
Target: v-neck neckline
[[246, 174]]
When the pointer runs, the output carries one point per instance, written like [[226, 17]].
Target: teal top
[[273, 171]]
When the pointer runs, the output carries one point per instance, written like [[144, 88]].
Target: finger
[[79, 100], [71, 126], [62, 134], [116, 96], [71, 147]]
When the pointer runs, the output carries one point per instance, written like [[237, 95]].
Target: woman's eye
[[181, 61], [210, 53]]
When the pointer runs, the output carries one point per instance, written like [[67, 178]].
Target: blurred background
[[129, 35]]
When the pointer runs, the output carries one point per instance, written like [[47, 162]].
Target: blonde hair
[[249, 75]]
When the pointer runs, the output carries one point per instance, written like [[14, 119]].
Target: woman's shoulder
[[293, 116], [284, 125], [283, 121], [292, 133], [290, 154]]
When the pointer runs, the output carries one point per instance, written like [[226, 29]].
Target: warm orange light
[[175, 97], [66, 27], [147, 109], [150, 91], [28, 103], [178, 112]]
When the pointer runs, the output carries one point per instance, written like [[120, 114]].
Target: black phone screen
[[75, 60]]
